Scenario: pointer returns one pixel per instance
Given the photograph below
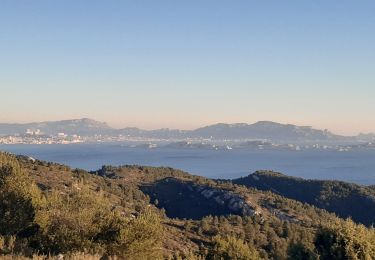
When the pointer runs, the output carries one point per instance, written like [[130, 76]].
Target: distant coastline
[[88, 130]]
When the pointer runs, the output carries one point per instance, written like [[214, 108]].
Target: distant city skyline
[[158, 64]]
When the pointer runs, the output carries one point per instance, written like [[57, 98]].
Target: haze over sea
[[356, 166]]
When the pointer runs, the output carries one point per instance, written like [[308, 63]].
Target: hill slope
[[131, 211], [344, 199]]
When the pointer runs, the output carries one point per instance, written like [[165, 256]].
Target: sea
[[357, 166]]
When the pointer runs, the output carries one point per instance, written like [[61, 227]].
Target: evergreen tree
[[19, 199]]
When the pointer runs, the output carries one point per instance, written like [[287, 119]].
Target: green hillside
[[344, 199], [135, 212]]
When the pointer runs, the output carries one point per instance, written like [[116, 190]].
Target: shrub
[[19, 199], [232, 248], [345, 240], [139, 238], [72, 221]]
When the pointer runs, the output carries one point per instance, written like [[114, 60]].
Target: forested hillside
[[344, 199], [136, 212]]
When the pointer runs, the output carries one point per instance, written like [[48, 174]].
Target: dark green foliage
[[139, 238], [344, 199], [299, 251], [83, 220], [72, 221], [19, 199], [75, 219], [271, 238], [186, 202], [345, 240], [107, 214], [231, 248]]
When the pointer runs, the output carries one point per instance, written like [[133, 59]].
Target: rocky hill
[[137, 212], [344, 199]]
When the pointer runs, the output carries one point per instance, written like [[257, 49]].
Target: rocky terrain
[[139, 212]]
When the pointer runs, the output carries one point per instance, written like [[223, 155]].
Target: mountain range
[[262, 130]]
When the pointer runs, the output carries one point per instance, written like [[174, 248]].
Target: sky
[[185, 64]]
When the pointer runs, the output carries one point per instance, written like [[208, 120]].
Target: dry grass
[[73, 256]]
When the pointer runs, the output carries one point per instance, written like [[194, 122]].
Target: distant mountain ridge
[[265, 130], [84, 126]]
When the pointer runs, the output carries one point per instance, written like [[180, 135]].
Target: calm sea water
[[355, 166]]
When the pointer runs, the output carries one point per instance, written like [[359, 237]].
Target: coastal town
[[37, 137]]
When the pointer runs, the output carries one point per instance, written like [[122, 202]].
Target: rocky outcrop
[[231, 200], [186, 199]]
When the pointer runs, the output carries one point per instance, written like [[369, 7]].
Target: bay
[[356, 166]]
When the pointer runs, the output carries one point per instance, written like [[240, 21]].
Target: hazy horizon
[[177, 128], [159, 64], [144, 125]]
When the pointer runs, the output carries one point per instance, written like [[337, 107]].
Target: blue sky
[[184, 64]]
